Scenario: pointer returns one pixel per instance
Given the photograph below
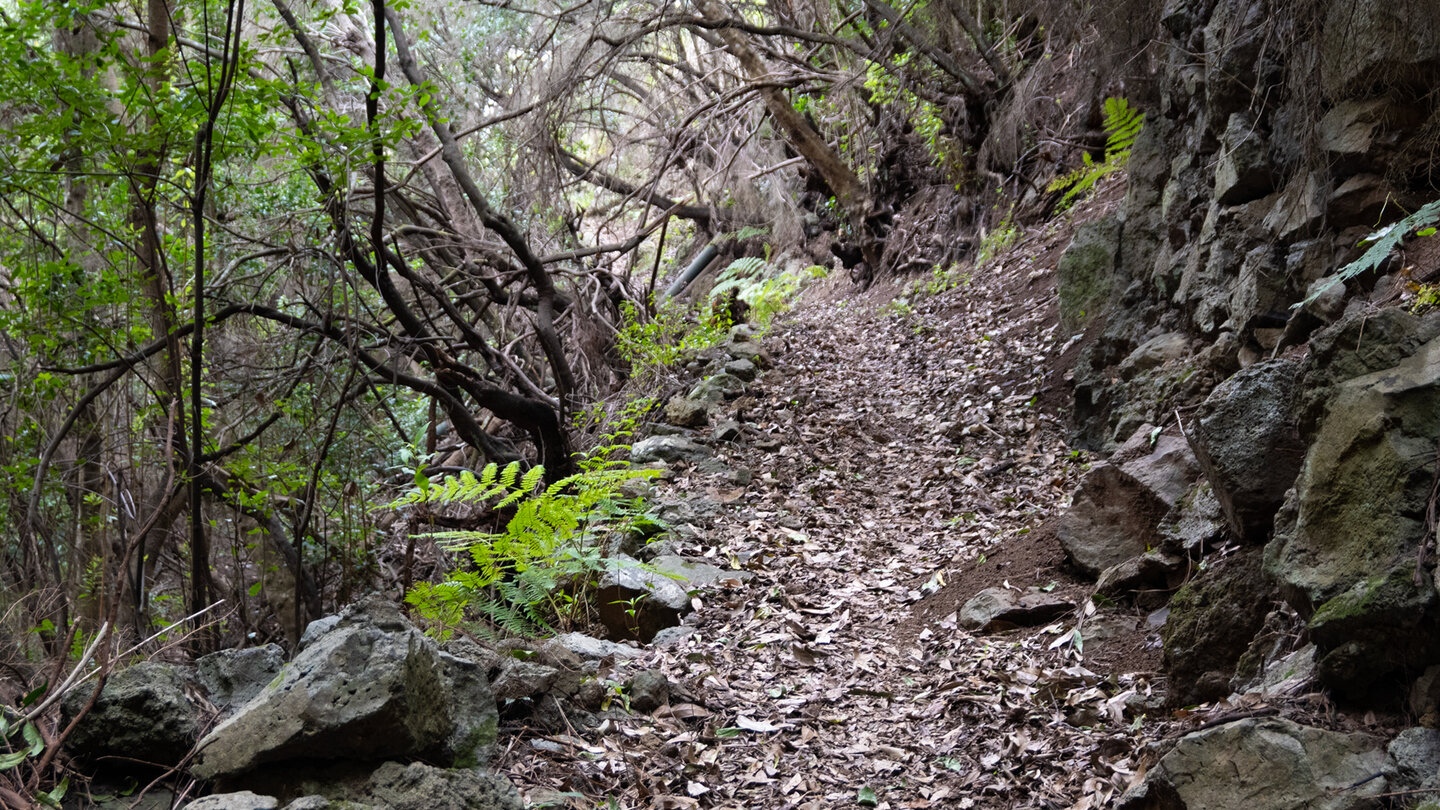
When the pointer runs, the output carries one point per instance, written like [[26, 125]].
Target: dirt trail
[[902, 460]]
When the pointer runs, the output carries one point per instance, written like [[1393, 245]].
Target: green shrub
[[652, 342]]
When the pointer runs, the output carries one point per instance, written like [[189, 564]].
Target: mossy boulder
[[1086, 272], [1358, 509], [1379, 626], [1212, 620], [1347, 539]]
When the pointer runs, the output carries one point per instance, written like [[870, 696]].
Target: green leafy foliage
[[997, 239], [534, 572], [886, 90], [652, 342], [1427, 298], [767, 289], [1123, 124], [1382, 242], [21, 744]]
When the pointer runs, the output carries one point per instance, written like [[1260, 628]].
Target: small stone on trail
[[648, 690], [727, 431], [744, 369], [672, 636], [594, 648], [668, 449], [686, 412], [717, 388], [694, 575], [1003, 609]]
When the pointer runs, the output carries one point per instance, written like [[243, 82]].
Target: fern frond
[[1122, 126], [743, 267], [508, 617], [515, 578], [1385, 240]]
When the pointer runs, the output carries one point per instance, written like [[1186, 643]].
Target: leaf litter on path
[[898, 458]]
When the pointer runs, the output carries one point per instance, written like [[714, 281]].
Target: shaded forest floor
[[903, 457]]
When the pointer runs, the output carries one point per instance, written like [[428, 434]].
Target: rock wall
[[1286, 132]]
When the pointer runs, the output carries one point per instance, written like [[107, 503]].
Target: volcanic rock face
[[1313, 405]]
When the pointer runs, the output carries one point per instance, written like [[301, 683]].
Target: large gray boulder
[[371, 688], [1264, 764], [142, 714], [1248, 445], [1347, 540], [1115, 514]]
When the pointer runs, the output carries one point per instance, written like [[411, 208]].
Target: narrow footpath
[[902, 458]]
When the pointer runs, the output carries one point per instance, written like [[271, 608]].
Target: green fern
[[762, 285], [1123, 124], [1421, 223], [469, 488], [517, 579]]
